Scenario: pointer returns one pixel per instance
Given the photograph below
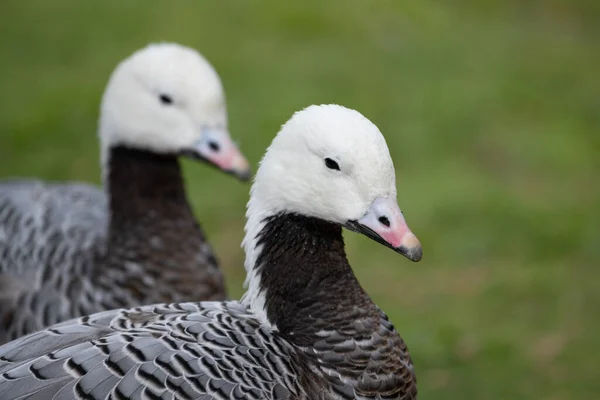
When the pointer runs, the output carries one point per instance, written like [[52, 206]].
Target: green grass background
[[490, 109]]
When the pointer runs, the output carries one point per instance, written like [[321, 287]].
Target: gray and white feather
[[182, 351]]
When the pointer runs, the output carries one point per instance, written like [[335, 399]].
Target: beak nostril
[[385, 221], [214, 146]]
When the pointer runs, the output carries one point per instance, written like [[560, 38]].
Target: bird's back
[[48, 235], [210, 350]]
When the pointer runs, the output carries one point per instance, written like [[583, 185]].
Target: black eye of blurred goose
[[165, 99], [331, 164]]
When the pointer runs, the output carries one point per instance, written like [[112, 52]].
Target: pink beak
[[385, 224], [217, 148]]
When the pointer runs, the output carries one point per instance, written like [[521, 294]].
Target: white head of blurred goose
[[167, 99], [306, 329]]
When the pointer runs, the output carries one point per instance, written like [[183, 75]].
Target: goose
[[305, 329], [71, 249]]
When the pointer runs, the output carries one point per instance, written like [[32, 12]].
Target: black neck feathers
[[141, 181], [305, 275]]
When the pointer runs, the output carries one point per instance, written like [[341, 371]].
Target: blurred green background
[[490, 109]]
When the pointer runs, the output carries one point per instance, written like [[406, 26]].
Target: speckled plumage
[[332, 341], [65, 251], [164, 351]]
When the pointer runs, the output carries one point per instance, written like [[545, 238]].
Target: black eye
[[384, 221], [165, 99], [331, 164], [214, 146]]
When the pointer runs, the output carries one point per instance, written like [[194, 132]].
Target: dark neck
[[316, 303], [144, 186], [306, 277], [153, 226]]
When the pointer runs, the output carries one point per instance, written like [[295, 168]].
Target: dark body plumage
[[68, 250], [327, 340]]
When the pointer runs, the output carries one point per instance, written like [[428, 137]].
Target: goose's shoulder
[[186, 349], [60, 202], [46, 231], [37, 219]]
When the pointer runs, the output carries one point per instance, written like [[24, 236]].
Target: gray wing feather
[[185, 351], [33, 214], [47, 233]]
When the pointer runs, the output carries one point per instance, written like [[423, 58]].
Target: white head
[[331, 163], [168, 99]]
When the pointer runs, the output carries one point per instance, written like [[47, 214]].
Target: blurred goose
[[71, 249], [305, 329]]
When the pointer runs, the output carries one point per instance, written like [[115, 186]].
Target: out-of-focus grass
[[491, 112]]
